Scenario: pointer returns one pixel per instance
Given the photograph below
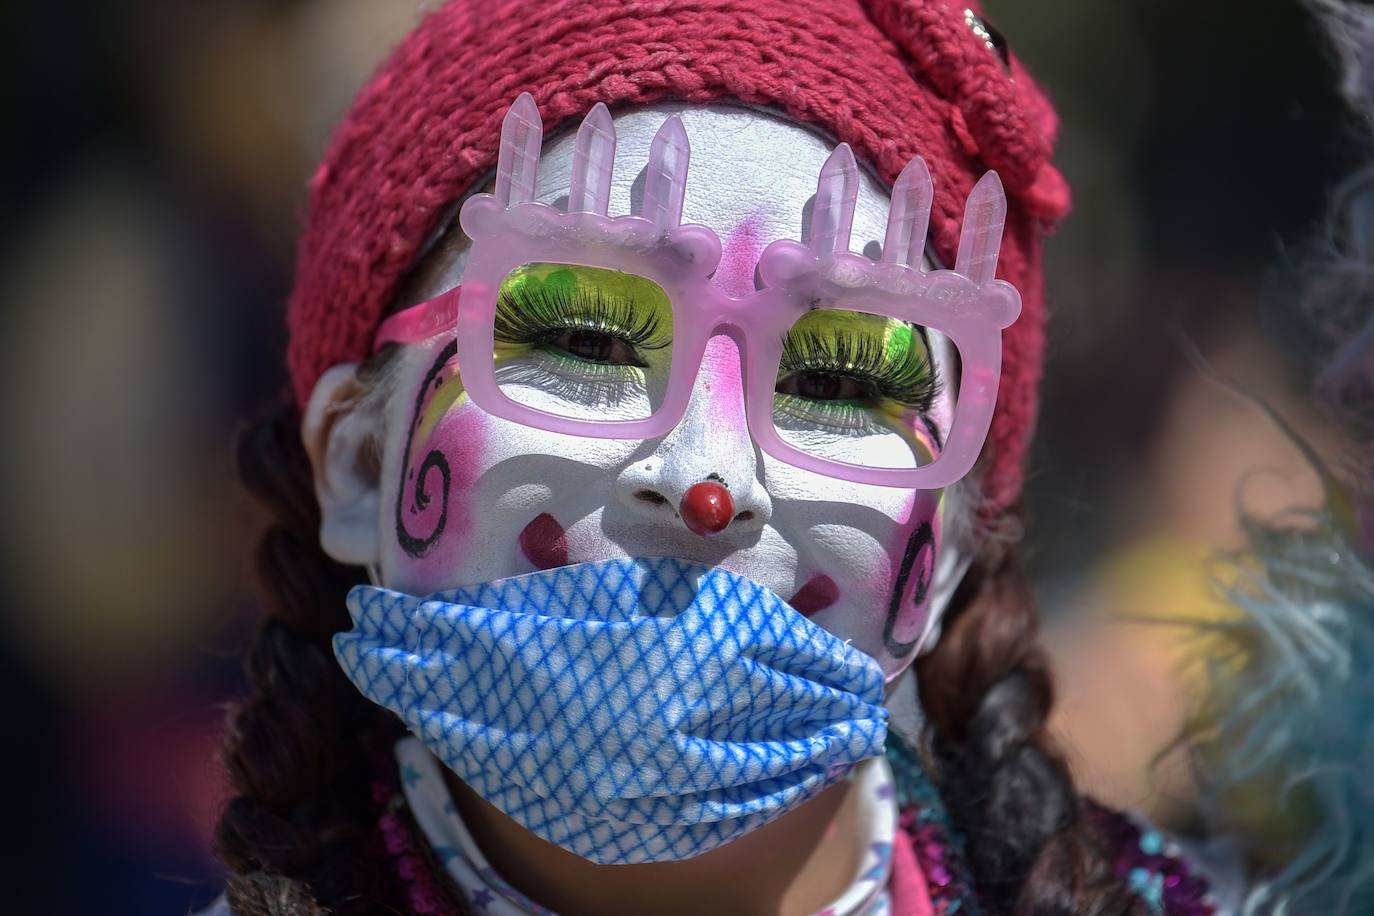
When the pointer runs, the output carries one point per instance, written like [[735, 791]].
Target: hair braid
[[987, 690], [297, 748]]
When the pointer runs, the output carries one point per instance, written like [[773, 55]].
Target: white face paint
[[467, 498]]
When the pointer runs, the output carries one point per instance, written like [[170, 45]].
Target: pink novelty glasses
[[580, 323]]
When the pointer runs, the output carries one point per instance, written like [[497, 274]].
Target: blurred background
[[159, 157]]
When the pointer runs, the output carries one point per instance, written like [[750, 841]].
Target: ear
[[343, 442]]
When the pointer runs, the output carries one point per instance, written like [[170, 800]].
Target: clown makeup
[[582, 341], [465, 497]]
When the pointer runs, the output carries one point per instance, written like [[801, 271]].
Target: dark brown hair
[[987, 693], [299, 835]]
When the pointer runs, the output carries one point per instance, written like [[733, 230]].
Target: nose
[[705, 474], [707, 508]]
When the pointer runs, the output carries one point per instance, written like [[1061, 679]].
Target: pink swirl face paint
[[914, 574], [444, 448]]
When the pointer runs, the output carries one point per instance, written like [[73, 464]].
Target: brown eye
[[823, 386], [596, 347]]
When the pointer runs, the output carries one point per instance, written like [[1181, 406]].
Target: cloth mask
[[629, 710]]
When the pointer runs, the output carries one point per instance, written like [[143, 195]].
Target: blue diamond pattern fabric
[[629, 710]]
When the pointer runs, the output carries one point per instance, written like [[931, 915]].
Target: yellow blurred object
[[1171, 593]]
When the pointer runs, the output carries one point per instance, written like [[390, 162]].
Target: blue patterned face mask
[[630, 710]]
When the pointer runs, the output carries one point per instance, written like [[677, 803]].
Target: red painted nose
[[707, 508]]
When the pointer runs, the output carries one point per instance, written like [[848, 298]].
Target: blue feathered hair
[[1294, 714]]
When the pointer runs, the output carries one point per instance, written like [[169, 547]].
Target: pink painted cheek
[[913, 555], [446, 441]]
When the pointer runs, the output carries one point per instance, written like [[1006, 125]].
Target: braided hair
[[987, 693], [298, 837]]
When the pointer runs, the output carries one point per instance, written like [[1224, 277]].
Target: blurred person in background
[[146, 149]]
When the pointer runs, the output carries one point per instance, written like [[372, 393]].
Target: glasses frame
[[508, 229]]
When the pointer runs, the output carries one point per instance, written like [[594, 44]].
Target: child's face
[[466, 498]]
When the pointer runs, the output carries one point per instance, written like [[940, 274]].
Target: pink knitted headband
[[893, 78]]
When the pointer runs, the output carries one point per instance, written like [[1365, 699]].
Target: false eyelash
[[535, 317], [913, 382]]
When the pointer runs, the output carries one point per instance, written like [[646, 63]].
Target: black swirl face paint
[[414, 483], [918, 560]]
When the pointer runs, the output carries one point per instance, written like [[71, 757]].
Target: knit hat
[[892, 78]]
